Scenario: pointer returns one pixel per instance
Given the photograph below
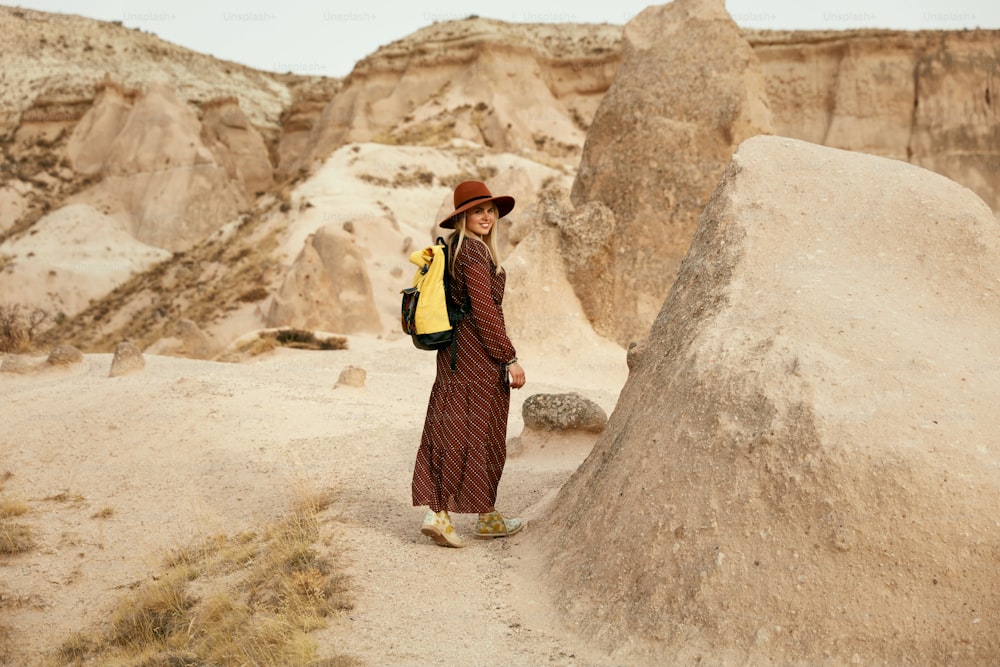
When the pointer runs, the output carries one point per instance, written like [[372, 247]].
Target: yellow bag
[[427, 314]]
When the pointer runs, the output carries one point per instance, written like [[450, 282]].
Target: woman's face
[[479, 220]]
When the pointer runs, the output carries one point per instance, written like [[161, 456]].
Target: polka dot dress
[[463, 447]]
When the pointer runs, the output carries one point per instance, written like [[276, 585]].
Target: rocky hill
[[800, 468], [177, 155]]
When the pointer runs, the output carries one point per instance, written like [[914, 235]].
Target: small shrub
[[306, 340], [19, 327], [255, 294]]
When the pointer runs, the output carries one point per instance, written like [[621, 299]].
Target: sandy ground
[[188, 449]]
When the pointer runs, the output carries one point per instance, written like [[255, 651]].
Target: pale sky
[[313, 38]]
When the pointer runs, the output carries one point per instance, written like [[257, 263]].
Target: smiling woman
[[463, 447]]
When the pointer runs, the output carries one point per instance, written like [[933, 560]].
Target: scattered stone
[[352, 376], [128, 359], [563, 412], [64, 355]]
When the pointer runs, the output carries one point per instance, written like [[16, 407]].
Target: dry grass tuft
[[252, 348], [76, 648], [271, 339], [246, 599], [305, 340], [158, 611], [65, 497], [103, 513], [15, 538], [12, 507], [4, 644], [254, 294]]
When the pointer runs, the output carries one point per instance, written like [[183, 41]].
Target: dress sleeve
[[487, 314]]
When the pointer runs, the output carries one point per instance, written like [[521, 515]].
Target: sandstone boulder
[[588, 248], [563, 412], [64, 355], [352, 376], [128, 359], [805, 452], [327, 287], [688, 91]]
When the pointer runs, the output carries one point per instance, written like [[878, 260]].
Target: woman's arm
[[487, 315], [516, 375]]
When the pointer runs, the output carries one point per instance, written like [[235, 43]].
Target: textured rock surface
[[688, 91], [807, 439], [563, 412], [352, 376], [128, 359], [588, 247], [237, 145], [929, 98], [528, 89], [64, 355], [155, 169], [327, 287]]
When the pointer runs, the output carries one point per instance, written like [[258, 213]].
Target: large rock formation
[[929, 98], [155, 168], [689, 90], [803, 465], [528, 89], [327, 288], [546, 321]]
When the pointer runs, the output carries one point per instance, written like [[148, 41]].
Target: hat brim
[[504, 204]]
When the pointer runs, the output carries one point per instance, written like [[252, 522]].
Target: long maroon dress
[[463, 447]]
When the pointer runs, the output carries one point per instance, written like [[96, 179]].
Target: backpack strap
[[455, 318]]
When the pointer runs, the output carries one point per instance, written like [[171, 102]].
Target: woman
[[463, 447]]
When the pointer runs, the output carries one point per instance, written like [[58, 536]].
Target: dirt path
[[190, 448]]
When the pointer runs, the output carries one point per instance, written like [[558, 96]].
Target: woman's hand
[[516, 375]]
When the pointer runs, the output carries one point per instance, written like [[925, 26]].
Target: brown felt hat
[[471, 193]]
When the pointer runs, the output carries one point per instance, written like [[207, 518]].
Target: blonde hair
[[457, 238]]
